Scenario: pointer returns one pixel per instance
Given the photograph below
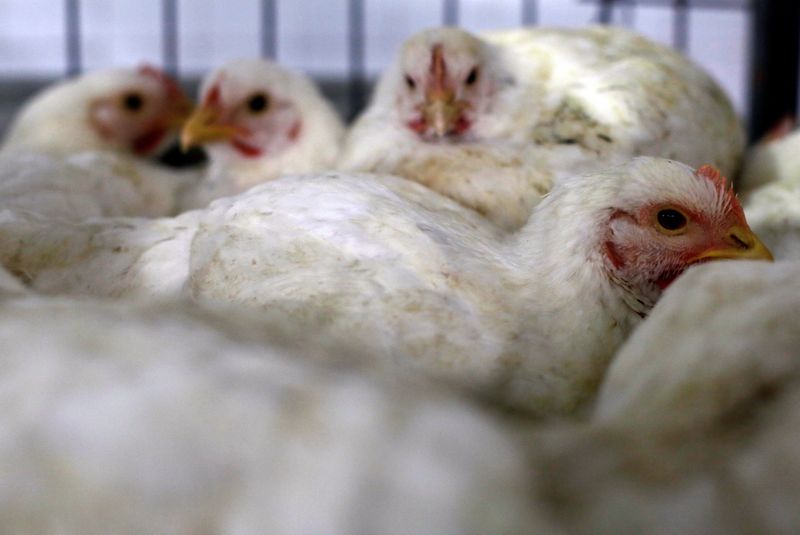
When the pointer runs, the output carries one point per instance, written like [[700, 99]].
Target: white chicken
[[771, 181], [738, 474], [258, 121], [161, 419], [77, 149], [413, 278], [775, 158], [492, 121], [698, 419]]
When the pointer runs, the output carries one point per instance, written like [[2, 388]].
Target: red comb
[[721, 184], [438, 68], [213, 96], [712, 173], [172, 87]]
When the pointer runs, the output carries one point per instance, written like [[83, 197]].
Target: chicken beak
[[203, 126], [441, 111], [740, 243]]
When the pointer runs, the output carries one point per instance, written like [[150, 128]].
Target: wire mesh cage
[[750, 45]]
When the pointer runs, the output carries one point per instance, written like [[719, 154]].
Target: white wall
[[313, 33]]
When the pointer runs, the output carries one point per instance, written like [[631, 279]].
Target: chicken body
[[773, 159], [78, 149], [162, 417], [413, 278], [553, 103], [771, 184], [87, 184], [166, 419], [696, 425]]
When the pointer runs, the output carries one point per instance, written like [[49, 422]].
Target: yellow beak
[[740, 243], [441, 111], [203, 127]]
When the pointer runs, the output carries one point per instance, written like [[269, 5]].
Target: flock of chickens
[[466, 313]]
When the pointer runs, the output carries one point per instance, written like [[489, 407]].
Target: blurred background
[[345, 44]]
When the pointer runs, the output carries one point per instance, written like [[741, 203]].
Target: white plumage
[[697, 423], [87, 184], [493, 121], [77, 149], [773, 159], [771, 182], [722, 336], [163, 419], [413, 277], [258, 121]]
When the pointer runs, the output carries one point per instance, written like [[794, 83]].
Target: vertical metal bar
[[680, 24], [605, 11], [72, 31], [530, 12], [169, 36], [269, 29], [450, 12], [355, 52], [774, 58], [628, 12]]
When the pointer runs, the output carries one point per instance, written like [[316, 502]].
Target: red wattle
[[417, 125], [246, 149]]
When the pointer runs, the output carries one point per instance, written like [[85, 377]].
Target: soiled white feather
[[547, 104], [163, 419], [87, 184], [408, 276]]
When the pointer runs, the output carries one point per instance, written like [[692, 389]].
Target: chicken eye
[[258, 103], [410, 82], [671, 219], [133, 102], [472, 77]]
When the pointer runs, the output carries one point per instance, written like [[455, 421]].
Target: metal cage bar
[[72, 23], [450, 12], [529, 12], [169, 36], [605, 11], [680, 25], [269, 29], [717, 5], [356, 55]]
